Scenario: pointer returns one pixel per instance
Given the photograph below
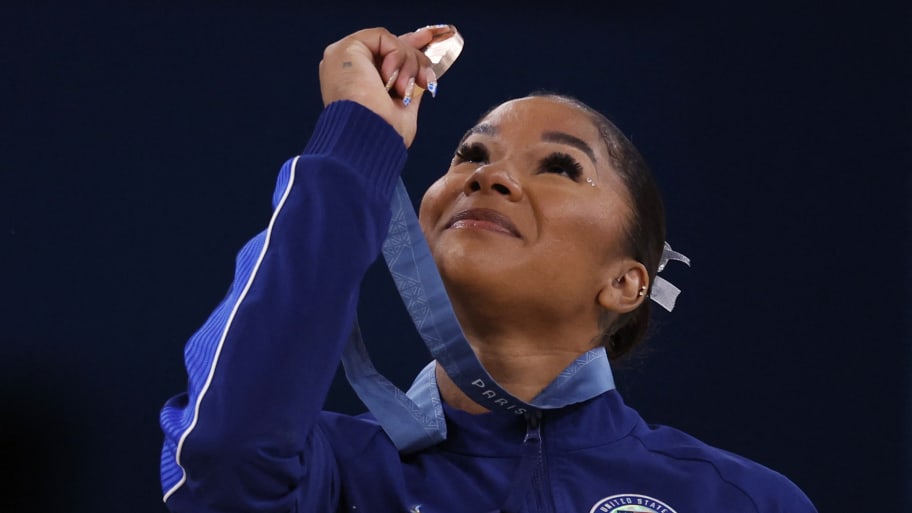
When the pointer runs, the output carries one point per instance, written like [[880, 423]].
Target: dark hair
[[645, 231]]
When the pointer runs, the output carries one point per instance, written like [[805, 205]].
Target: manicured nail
[[409, 88], [438, 26], [392, 80], [432, 83]]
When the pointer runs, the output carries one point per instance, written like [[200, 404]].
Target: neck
[[523, 345], [522, 366]]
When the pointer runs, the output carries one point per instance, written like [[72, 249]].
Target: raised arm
[[242, 437]]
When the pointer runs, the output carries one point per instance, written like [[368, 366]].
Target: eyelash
[[471, 153], [558, 162], [562, 163]]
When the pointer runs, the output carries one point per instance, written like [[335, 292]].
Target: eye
[[562, 164], [475, 153]]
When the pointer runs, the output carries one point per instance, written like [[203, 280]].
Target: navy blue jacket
[[249, 433]]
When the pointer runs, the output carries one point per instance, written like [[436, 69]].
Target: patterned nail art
[[408, 92], [432, 83]]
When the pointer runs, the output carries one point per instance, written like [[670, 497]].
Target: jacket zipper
[[541, 488]]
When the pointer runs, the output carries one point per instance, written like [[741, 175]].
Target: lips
[[483, 219]]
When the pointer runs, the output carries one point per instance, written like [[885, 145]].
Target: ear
[[625, 288]]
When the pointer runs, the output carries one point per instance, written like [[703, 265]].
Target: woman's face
[[530, 210]]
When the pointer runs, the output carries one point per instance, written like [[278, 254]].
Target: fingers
[[404, 76], [404, 68], [385, 73]]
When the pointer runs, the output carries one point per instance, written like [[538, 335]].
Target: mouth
[[483, 219]]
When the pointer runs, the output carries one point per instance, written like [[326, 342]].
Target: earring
[[590, 182], [642, 291]]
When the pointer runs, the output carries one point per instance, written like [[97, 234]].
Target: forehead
[[532, 116]]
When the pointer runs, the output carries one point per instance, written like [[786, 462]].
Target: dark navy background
[[140, 142]]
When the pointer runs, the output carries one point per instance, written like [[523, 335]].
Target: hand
[[360, 66]]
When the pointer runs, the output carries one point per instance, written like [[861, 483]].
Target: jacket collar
[[599, 421]]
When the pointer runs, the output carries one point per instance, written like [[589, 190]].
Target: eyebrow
[[483, 129], [558, 137], [576, 142]]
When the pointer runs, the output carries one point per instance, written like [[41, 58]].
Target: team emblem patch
[[631, 503]]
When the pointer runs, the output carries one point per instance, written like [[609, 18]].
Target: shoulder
[[353, 434], [769, 490]]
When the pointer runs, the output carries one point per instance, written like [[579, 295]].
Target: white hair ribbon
[[663, 291]]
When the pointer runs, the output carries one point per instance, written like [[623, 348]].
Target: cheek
[[432, 205], [609, 236], [593, 231]]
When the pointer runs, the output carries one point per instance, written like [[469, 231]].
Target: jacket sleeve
[[244, 436]]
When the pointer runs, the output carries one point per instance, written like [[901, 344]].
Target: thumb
[[421, 37]]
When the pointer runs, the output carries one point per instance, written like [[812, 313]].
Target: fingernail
[[432, 83], [438, 26], [392, 80], [408, 92]]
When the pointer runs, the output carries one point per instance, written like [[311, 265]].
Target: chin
[[474, 269]]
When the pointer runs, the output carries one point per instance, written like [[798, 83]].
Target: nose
[[493, 178]]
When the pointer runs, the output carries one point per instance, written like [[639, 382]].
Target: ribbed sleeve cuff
[[350, 133]]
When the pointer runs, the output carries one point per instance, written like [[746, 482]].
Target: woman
[[547, 232]]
